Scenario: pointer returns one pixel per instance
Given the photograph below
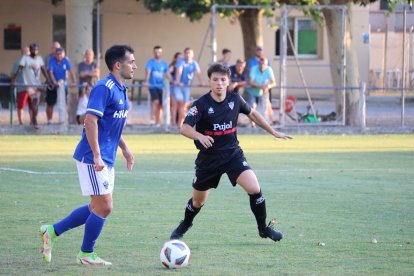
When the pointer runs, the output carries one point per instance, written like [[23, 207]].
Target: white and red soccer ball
[[175, 254]]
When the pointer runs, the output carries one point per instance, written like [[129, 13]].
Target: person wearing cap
[[53, 47], [31, 66], [58, 68]]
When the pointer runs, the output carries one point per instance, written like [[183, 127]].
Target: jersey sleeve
[[244, 107], [97, 100], [194, 114], [69, 64]]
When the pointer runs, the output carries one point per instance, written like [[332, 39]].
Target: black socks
[[258, 207], [190, 212]]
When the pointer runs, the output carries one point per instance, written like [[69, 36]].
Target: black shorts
[[211, 166], [51, 96], [156, 94]]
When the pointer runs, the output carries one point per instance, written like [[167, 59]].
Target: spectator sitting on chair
[[22, 96], [58, 68]]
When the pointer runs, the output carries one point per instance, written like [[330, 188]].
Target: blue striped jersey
[[108, 101]]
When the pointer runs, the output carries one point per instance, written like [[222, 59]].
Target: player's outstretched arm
[[189, 132], [260, 121], [129, 157]]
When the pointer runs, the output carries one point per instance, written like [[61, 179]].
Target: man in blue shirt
[[95, 156], [156, 70], [185, 70], [58, 67]]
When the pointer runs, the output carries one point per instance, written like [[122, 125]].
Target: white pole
[[213, 34], [166, 104], [282, 70], [362, 104], [344, 65], [61, 103], [98, 33], [403, 68]]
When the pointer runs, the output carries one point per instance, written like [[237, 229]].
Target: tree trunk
[[333, 21], [251, 26]]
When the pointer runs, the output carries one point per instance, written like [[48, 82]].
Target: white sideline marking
[[192, 171]]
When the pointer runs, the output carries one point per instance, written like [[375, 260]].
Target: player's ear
[[117, 65]]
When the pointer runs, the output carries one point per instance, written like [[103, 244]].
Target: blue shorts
[[182, 94]]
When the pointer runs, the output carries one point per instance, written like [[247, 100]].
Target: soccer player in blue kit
[[95, 156], [211, 123]]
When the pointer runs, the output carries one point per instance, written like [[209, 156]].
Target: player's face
[[128, 66], [218, 83]]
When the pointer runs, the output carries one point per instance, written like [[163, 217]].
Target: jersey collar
[[120, 87]]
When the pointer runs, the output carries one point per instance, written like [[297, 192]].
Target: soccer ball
[[175, 254]]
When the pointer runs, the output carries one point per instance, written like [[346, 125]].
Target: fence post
[[166, 104], [13, 93], [61, 103], [362, 104]]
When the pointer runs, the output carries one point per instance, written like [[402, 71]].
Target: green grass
[[340, 190]]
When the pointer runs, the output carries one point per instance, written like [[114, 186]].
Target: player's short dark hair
[[157, 47], [225, 51], [116, 53], [218, 68]]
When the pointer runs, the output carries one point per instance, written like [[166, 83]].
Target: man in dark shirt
[[211, 123], [238, 75]]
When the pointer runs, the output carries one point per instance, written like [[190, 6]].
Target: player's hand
[[206, 141], [129, 157], [98, 163], [281, 135]]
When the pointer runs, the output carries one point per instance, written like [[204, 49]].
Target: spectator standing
[[261, 81], [58, 68], [55, 45], [172, 70], [31, 66], [238, 75], [88, 71], [186, 68], [156, 70], [22, 96], [226, 57], [253, 61]]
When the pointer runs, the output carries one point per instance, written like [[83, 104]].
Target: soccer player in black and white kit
[[211, 123]]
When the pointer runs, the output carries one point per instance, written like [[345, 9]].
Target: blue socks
[[82, 215], [93, 228], [76, 218]]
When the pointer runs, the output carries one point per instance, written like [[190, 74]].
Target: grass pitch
[[340, 191]]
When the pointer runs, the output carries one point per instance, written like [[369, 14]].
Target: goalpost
[[282, 19]]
